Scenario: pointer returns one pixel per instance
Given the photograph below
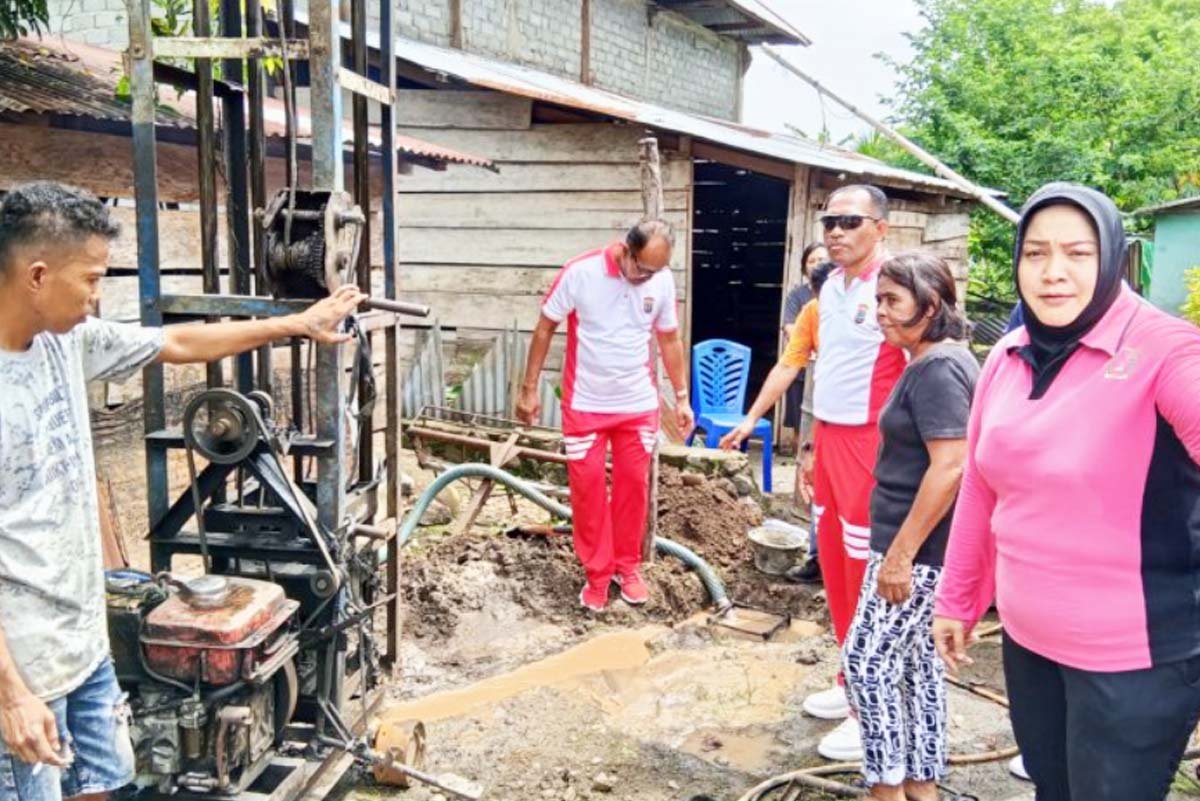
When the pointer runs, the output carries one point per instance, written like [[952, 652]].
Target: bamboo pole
[[912, 147], [652, 205]]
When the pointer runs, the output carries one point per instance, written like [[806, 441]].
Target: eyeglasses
[[847, 222]]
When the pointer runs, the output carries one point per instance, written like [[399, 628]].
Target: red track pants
[[844, 467], [608, 532]]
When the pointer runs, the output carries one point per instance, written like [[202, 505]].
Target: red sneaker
[[633, 589], [594, 599]]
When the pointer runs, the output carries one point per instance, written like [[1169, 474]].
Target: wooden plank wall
[[482, 248]]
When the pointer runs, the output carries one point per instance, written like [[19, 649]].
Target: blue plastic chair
[[720, 372]]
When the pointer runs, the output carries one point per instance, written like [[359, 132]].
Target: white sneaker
[[843, 744], [1016, 766], [828, 704]]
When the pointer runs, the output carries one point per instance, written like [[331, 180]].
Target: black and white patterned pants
[[895, 681]]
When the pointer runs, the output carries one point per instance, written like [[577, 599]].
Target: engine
[[210, 669]]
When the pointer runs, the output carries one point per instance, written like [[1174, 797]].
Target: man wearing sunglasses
[[854, 376], [615, 300]]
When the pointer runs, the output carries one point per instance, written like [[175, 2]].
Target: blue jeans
[[93, 720]]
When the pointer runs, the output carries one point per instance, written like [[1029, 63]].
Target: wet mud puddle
[[720, 698]]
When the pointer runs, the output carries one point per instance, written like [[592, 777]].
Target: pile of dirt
[[442, 580], [461, 574], [706, 515]]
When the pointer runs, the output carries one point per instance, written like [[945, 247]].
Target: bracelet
[[681, 394]]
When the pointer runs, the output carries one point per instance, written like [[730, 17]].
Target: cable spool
[[221, 425], [298, 268]]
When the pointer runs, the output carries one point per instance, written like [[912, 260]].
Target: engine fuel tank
[[218, 645]]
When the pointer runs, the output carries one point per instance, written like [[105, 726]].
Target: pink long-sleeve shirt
[[1080, 511]]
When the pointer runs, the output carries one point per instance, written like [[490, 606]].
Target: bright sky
[[845, 36]]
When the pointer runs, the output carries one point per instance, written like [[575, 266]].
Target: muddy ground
[[527, 695]]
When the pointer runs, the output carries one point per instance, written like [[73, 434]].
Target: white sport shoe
[[828, 704], [1016, 766], [843, 744]]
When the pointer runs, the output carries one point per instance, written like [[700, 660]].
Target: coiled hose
[[708, 577]]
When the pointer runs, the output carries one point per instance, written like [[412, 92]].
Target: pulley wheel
[[402, 741], [322, 584], [221, 425]]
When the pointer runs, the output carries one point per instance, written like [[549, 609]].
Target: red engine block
[[220, 645]]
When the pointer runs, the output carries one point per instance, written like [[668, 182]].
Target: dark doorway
[[739, 237]]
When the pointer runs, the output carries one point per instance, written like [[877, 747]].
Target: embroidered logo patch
[[1122, 365], [860, 315], [647, 305]]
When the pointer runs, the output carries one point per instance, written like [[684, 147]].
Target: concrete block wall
[[661, 57], [99, 22], [664, 58]]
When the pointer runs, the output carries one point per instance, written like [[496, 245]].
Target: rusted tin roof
[[79, 80], [42, 80]]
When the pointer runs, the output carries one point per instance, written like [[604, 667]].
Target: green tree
[[1015, 93], [20, 17]]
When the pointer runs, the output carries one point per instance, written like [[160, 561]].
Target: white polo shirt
[[610, 322], [857, 368]]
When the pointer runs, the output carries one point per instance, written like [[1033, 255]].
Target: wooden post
[[585, 42], [652, 206]]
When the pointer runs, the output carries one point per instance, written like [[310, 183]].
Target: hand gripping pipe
[[708, 576]]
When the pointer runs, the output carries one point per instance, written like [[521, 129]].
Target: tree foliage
[[22, 17], [1015, 93]]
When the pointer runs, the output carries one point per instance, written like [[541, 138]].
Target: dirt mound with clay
[[442, 580]]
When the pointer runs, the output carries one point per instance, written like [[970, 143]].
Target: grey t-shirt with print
[[52, 606]]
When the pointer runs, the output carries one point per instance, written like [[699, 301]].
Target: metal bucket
[[776, 547]]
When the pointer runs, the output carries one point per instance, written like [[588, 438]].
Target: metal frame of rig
[[319, 537]]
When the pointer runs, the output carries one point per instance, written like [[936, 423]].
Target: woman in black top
[[894, 678]]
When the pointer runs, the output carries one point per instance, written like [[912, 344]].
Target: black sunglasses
[[847, 222]]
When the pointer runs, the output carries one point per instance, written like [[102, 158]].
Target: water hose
[[708, 577]]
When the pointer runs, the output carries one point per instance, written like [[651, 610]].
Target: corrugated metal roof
[[41, 80], [750, 21], [1182, 204], [81, 80], [527, 82], [275, 124]]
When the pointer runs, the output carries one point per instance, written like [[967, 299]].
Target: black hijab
[[1050, 346]]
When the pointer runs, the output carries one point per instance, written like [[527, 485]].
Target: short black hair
[[879, 201], [820, 274], [46, 212], [808, 249], [640, 234], [931, 283]]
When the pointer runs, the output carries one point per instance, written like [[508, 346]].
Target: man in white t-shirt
[[615, 301], [62, 729]]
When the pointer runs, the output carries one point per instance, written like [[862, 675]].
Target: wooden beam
[[212, 47], [585, 42], [422, 108], [774, 168], [534, 210], [456, 26], [590, 142], [541, 178], [353, 82]]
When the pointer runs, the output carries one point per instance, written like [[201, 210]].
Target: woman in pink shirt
[[1079, 513]]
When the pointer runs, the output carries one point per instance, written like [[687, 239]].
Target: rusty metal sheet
[[44, 80]]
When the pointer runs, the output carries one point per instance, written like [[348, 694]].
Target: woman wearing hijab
[[1094, 562]]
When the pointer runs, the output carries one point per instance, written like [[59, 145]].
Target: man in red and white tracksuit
[[855, 375], [615, 300]]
